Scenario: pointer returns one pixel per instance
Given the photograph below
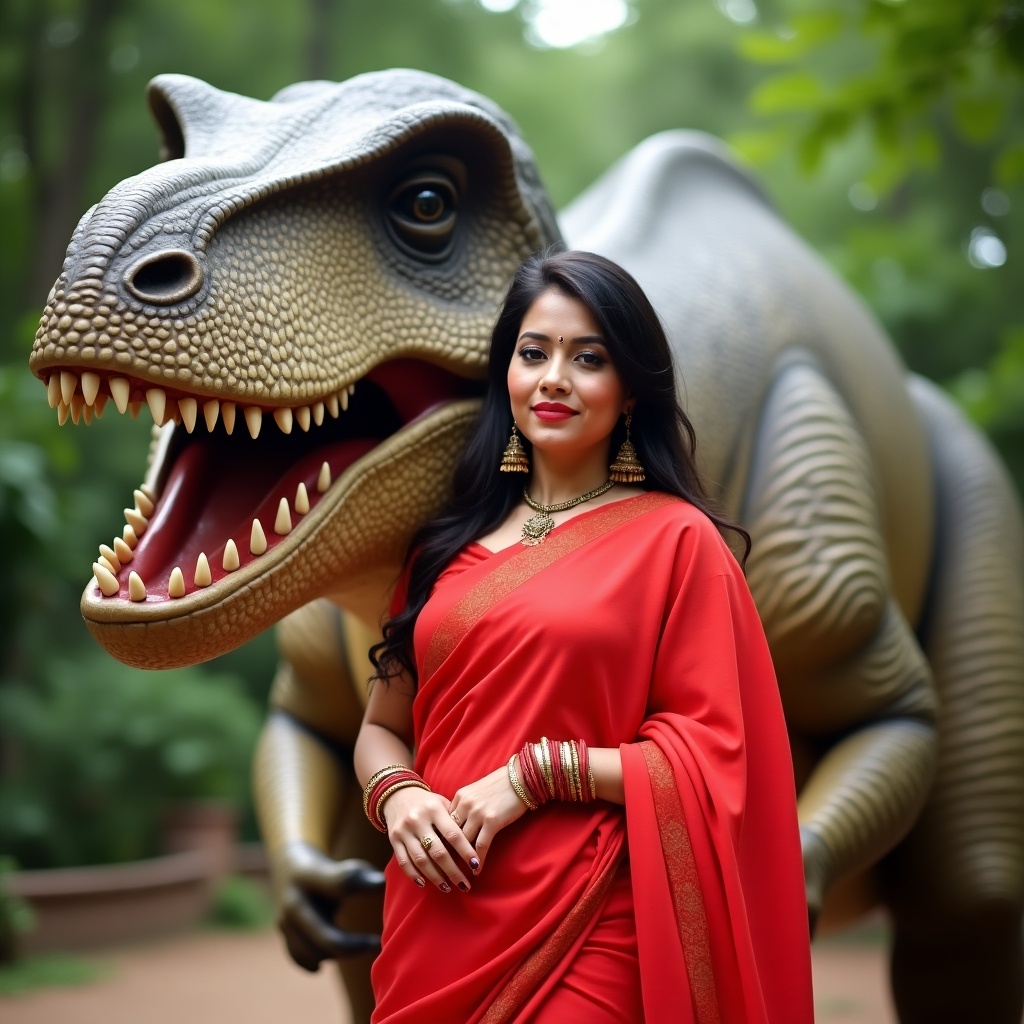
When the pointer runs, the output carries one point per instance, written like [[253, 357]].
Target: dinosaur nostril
[[165, 278]]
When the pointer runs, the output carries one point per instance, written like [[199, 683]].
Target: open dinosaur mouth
[[226, 486]]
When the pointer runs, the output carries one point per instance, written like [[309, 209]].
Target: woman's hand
[[415, 814], [485, 807]]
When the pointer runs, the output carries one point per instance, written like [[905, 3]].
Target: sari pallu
[[630, 626]]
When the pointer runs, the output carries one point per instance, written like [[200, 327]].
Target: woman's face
[[566, 395]]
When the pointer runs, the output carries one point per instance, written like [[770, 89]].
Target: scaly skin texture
[[362, 235]]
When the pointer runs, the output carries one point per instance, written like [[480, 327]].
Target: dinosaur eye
[[422, 211]]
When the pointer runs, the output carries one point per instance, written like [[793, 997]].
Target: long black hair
[[482, 497]]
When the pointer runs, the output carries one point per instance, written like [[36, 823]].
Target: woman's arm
[[412, 814]]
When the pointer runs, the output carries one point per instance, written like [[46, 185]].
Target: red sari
[[631, 626]]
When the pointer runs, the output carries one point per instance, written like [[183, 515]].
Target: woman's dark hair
[[482, 497]]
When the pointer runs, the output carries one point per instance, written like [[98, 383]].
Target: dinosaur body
[[361, 235]]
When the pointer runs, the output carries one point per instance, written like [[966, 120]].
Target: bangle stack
[[550, 770], [381, 785]]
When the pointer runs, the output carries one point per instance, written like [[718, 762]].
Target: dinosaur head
[[302, 294]]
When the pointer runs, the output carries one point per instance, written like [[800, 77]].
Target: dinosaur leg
[[855, 684], [956, 886]]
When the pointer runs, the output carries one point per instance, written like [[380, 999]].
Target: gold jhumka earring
[[513, 459], [626, 468]]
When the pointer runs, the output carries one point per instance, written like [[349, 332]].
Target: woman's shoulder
[[680, 524]]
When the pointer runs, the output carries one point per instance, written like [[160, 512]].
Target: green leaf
[[761, 147], [799, 91], [804, 34]]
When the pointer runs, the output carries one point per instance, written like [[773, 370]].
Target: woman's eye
[[590, 358], [531, 354]]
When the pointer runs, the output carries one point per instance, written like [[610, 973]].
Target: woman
[[642, 862]]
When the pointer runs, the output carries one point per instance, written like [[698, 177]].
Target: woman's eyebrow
[[586, 339]]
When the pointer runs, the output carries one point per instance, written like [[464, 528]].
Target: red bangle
[[383, 788], [530, 775]]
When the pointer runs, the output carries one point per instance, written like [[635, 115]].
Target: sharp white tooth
[[107, 564], [62, 413], [176, 584], [203, 577], [188, 407], [257, 539], [344, 400], [284, 420], [68, 383], [100, 404], [253, 420], [136, 520], [90, 386], [53, 395], [229, 562], [134, 408], [143, 503], [157, 400], [318, 413], [77, 405], [301, 499], [129, 537], [283, 521], [120, 391], [211, 410], [302, 416], [136, 588], [148, 492], [352, 388], [323, 480], [106, 580], [87, 413], [332, 406], [111, 556], [123, 550], [227, 414]]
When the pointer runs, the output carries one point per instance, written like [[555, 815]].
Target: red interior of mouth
[[217, 484]]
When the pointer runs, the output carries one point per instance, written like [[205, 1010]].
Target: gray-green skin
[[281, 255]]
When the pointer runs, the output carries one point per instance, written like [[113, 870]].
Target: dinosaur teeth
[[53, 395], [343, 397], [136, 588], [302, 417], [203, 577], [283, 520], [257, 539], [323, 480], [253, 420], [68, 384], [134, 408], [176, 583], [120, 391], [100, 405], [143, 502], [107, 564], [136, 520], [106, 580], [62, 413], [211, 410], [110, 555], [129, 537], [157, 401], [90, 386], [227, 415], [148, 492], [229, 562], [318, 413], [87, 412], [77, 404], [284, 419], [189, 408], [332, 406], [301, 499], [123, 550]]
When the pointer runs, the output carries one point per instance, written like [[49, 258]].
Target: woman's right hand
[[412, 815]]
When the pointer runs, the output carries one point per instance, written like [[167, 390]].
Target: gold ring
[[456, 818], [426, 842]]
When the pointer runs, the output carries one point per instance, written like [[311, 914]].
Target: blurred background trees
[[888, 132]]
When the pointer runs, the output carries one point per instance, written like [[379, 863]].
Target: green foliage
[[53, 971], [99, 750], [241, 904], [16, 916]]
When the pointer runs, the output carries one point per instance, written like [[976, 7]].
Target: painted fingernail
[[474, 863], [420, 882], [445, 887], [463, 887]]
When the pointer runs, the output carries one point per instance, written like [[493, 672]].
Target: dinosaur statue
[[302, 294]]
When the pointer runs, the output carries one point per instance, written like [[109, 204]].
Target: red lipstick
[[553, 411]]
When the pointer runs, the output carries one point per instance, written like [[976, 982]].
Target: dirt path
[[223, 978]]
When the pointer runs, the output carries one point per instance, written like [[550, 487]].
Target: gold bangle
[[391, 769], [419, 783], [577, 781], [566, 759], [545, 766], [590, 779], [517, 786]]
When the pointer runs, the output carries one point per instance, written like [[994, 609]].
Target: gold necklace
[[538, 526]]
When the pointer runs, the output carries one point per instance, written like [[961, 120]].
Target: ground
[[228, 977]]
